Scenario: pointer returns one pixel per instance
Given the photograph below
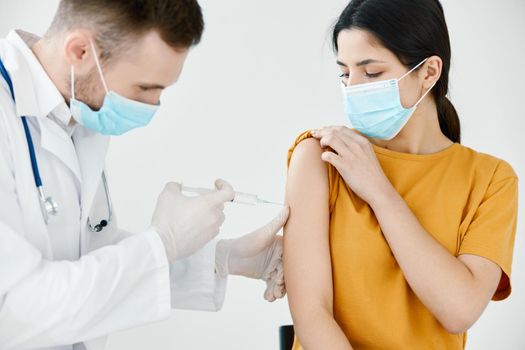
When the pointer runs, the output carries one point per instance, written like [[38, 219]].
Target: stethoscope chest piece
[[48, 205]]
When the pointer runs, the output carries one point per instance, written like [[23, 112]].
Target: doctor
[[68, 275]]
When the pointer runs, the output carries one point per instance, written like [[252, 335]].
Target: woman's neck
[[421, 135]]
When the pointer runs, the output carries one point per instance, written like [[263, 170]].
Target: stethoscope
[[47, 205]]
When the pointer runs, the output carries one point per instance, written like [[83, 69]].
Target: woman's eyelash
[[368, 75]]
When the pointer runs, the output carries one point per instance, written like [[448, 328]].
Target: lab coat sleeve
[[49, 303], [194, 283]]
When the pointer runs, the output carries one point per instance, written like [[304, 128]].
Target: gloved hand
[[186, 224], [256, 255]]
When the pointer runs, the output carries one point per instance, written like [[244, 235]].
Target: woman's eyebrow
[[362, 63]]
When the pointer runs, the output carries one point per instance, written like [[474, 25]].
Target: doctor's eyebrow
[[362, 63]]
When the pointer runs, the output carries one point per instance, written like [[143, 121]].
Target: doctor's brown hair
[[113, 22], [413, 30]]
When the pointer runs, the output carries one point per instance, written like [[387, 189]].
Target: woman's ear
[[431, 71], [78, 52]]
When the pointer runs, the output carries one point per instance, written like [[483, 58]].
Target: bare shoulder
[[307, 174], [307, 154]]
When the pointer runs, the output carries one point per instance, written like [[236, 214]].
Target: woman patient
[[399, 236]]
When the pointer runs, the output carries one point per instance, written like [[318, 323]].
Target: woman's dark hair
[[413, 30]]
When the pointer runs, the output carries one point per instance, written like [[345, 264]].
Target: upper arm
[[307, 262], [489, 238]]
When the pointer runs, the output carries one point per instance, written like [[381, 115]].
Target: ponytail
[[448, 119]]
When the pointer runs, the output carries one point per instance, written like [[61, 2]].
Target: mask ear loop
[[72, 82], [426, 93], [430, 89], [95, 56], [413, 69]]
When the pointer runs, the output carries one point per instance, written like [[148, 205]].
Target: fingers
[[274, 292], [224, 193], [345, 142], [273, 227], [262, 238], [335, 142], [342, 131], [277, 276], [173, 187], [268, 295], [275, 287], [223, 185], [334, 159], [279, 221], [278, 291], [320, 133]]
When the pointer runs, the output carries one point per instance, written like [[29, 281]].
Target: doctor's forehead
[[358, 47], [156, 62]]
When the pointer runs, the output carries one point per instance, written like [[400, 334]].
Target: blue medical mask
[[375, 109], [117, 115]]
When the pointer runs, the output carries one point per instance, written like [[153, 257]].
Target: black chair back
[[286, 336]]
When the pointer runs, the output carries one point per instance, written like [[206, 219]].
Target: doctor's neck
[[48, 52]]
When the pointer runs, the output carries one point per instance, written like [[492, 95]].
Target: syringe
[[240, 197]]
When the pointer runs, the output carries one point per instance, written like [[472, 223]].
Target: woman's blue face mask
[[117, 115], [375, 109]]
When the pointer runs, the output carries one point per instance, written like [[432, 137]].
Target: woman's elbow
[[459, 321], [458, 326], [308, 322]]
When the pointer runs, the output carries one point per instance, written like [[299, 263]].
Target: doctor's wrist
[[222, 257], [168, 242]]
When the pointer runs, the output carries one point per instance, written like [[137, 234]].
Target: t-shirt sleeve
[[493, 228]]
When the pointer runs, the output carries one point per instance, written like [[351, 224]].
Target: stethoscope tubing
[[47, 204]]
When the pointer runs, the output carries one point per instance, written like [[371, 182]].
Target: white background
[[263, 73]]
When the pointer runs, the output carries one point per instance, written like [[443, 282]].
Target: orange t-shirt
[[466, 200]]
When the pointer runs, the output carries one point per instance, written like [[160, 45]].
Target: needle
[[240, 197]]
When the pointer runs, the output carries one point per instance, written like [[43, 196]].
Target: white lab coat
[[62, 286]]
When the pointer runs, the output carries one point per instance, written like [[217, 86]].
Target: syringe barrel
[[240, 197], [245, 198]]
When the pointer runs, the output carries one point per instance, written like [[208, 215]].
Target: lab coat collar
[[25, 71], [37, 96]]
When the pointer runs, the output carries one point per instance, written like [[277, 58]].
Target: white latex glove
[[256, 255], [185, 224]]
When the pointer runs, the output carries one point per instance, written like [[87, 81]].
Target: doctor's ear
[[430, 72], [78, 52]]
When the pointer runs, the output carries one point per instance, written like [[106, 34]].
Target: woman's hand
[[354, 158]]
